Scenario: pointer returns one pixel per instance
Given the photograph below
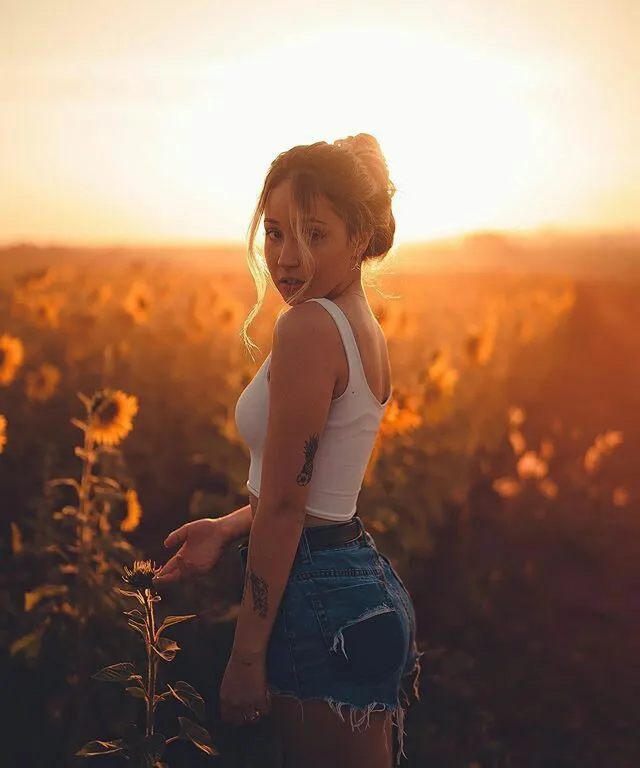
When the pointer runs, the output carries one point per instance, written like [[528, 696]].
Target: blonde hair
[[352, 175]]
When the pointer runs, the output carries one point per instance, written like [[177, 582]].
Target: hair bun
[[362, 144], [367, 149]]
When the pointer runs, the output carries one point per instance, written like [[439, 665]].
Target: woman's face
[[332, 255]]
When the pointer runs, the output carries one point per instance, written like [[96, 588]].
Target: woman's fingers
[[176, 537], [170, 571], [237, 714]]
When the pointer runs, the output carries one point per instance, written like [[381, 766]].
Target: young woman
[[325, 637]]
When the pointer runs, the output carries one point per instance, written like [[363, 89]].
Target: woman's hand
[[244, 696], [202, 544]]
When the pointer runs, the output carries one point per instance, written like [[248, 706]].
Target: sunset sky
[[149, 121]]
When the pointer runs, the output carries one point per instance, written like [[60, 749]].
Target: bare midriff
[[309, 520]]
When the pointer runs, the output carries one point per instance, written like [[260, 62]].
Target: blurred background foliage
[[503, 486]]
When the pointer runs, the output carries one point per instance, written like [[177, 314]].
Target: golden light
[[464, 144], [180, 153]]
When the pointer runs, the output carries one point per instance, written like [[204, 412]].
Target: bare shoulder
[[305, 327]]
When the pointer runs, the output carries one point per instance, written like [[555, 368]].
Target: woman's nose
[[288, 256]]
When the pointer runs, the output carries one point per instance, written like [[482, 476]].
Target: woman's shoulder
[[307, 322]]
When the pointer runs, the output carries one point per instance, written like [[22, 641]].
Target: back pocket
[[364, 634]]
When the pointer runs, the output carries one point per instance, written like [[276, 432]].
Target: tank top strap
[[347, 335]]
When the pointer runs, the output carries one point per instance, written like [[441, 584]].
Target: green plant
[[148, 749], [75, 552]]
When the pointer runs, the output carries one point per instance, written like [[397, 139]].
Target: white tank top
[[346, 444]]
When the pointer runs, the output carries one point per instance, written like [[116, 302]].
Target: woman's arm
[[302, 380], [236, 524], [273, 542]]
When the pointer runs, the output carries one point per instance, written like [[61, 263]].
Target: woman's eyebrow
[[273, 221]]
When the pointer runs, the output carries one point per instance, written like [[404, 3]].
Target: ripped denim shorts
[[345, 632]]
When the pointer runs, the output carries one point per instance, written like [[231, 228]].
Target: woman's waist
[[313, 517], [341, 546]]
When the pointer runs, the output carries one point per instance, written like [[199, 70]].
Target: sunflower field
[[503, 486]]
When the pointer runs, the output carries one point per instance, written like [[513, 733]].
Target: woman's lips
[[291, 286]]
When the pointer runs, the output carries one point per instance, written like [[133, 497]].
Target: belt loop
[[304, 551], [361, 530]]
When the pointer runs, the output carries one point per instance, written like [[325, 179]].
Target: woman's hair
[[352, 175]]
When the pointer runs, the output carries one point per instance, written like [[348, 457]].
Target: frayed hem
[[358, 716]]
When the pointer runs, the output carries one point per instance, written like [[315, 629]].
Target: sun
[[463, 143]]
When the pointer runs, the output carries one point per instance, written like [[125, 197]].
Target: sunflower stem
[[152, 662], [83, 538]]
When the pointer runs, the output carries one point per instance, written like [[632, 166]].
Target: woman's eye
[[315, 234]]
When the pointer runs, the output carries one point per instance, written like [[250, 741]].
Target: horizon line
[[553, 230]]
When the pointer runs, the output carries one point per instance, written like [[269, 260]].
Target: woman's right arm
[[236, 524], [203, 542]]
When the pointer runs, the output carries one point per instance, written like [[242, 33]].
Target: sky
[[153, 121]]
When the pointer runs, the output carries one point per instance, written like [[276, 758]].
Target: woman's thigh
[[313, 736]]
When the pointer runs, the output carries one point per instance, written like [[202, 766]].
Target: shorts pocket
[[365, 636]]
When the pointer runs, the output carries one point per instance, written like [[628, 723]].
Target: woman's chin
[[290, 295]]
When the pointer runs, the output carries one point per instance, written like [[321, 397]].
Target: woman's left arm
[[272, 547], [301, 384]]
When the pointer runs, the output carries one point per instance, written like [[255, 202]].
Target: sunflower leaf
[[136, 692], [46, 590], [187, 695], [128, 593], [30, 644], [166, 648], [161, 697], [171, 620], [141, 628], [93, 748], [16, 539], [116, 673], [195, 733], [64, 481], [80, 424]]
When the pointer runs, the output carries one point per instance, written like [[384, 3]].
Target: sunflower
[[480, 343], [531, 465], [141, 575], [621, 497], [35, 280], [402, 415], [110, 416], [100, 296], [229, 314], [3, 432], [516, 416], [395, 321], [548, 487], [41, 384], [134, 512], [507, 487], [137, 302], [603, 446], [11, 358], [45, 310], [438, 392]]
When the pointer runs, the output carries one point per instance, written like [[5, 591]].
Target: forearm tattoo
[[259, 593], [310, 450]]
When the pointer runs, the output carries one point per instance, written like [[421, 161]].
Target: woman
[[326, 627]]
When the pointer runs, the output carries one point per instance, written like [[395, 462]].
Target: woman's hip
[[345, 618]]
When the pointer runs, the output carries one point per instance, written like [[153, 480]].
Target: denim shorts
[[345, 632]]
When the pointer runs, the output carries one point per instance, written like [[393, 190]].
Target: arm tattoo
[[259, 593], [310, 450]]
